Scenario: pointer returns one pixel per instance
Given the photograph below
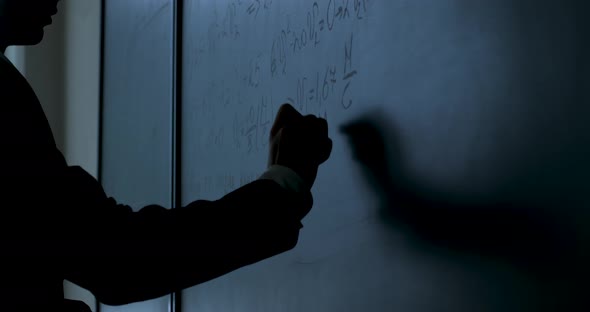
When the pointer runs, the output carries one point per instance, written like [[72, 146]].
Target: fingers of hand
[[316, 134], [301, 137], [286, 115]]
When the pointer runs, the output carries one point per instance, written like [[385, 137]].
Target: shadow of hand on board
[[497, 228]]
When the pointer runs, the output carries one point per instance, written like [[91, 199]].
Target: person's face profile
[[22, 21]]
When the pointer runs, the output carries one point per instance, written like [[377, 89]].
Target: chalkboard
[[486, 100], [136, 156]]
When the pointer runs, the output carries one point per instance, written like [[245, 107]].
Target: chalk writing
[[360, 8], [215, 137], [251, 132], [339, 10], [256, 5], [314, 92], [236, 109], [349, 73], [319, 18], [226, 29], [210, 138], [309, 33], [230, 27], [278, 55], [254, 72], [328, 86]]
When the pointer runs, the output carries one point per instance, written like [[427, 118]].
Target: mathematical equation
[[228, 27], [245, 97], [330, 86], [210, 131], [255, 6], [317, 22], [250, 132], [319, 90]]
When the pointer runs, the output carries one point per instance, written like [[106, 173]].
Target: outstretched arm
[[156, 251], [124, 256]]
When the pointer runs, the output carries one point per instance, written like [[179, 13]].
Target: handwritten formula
[[247, 57]]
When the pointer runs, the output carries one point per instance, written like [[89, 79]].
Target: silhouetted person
[[57, 222]]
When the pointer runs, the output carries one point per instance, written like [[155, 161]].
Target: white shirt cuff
[[285, 177]]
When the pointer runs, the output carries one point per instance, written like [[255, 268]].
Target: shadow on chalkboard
[[498, 228]]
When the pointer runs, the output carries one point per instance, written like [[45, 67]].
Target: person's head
[[22, 21]]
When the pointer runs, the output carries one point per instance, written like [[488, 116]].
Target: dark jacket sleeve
[[123, 256]]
